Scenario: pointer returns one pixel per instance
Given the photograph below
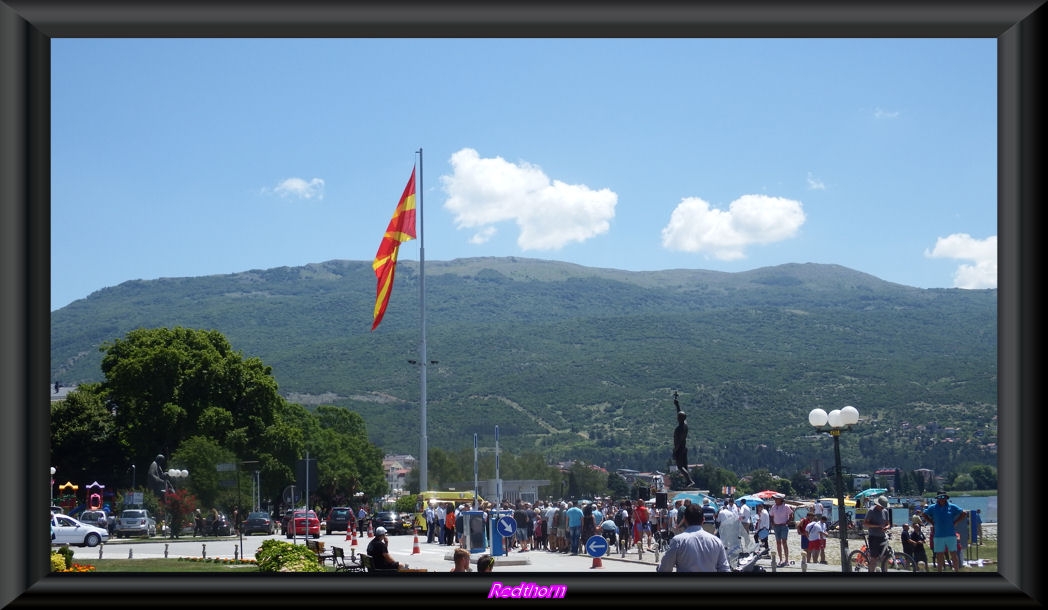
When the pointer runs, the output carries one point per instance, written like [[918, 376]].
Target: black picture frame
[[26, 28]]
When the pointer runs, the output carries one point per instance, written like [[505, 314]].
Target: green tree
[[617, 486], [586, 481], [985, 477], [762, 479], [84, 445], [201, 455], [802, 484], [347, 462], [963, 482], [167, 385]]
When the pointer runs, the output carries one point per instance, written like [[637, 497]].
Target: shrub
[[67, 554], [58, 561], [280, 556]]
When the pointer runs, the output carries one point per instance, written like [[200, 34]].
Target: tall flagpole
[[423, 477]]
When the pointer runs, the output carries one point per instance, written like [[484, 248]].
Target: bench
[[367, 563], [338, 559], [318, 549]]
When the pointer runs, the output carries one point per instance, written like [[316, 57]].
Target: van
[[432, 498]]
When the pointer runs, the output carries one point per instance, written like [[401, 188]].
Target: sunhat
[[882, 501]]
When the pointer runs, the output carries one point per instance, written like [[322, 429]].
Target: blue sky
[[191, 157]]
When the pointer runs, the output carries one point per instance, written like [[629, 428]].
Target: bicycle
[[661, 538], [889, 559]]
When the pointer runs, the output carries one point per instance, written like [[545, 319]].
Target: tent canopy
[[696, 497]]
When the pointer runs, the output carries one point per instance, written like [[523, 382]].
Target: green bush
[[67, 555], [58, 562], [280, 556]]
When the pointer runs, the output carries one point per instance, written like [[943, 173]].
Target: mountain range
[[577, 362]]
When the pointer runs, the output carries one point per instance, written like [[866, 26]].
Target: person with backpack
[[802, 529]]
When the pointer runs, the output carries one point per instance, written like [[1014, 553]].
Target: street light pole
[[842, 516], [837, 421], [51, 487]]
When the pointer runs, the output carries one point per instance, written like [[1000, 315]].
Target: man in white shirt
[[440, 514], [745, 516]]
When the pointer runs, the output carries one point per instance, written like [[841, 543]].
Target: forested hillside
[[581, 363]]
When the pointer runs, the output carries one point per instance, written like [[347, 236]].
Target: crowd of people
[[700, 537]]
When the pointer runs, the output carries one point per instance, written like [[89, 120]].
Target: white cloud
[[751, 219], [982, 252], [299, 188], [550, 214], [885, 114], [815, 184]]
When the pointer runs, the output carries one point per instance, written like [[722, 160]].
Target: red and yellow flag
[[401, 228]]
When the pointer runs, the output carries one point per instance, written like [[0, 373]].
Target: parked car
[[68, 530], [95, 517], [258, 522], [392, 521], [340, 519], [303, 523], [135, 522]]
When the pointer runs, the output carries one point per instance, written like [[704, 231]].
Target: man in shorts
[[944, 517]]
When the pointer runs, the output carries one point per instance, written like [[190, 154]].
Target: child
[[817, 539]]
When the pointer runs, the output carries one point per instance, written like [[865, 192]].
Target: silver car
[[135, 522], [68, 530]]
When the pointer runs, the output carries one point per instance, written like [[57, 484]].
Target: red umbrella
[[767, 494]]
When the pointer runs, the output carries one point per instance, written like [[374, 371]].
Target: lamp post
[[833, 423], [175, 473], [51, 487]]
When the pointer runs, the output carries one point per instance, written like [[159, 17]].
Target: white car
[[68, 530], [135, 522]]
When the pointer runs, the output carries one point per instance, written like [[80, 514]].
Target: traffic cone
[[349, 534], [416, 550], [597, 563], [371, 533], [354, 543]]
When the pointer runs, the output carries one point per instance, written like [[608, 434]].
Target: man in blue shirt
[[944, 516], [694, 549], [574, 515]]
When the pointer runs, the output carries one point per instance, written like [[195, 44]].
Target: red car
[[303, 523]]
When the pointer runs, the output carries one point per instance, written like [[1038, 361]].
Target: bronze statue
[[680, 443], [159, 480]]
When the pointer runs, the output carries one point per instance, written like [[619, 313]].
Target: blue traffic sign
[[506, 526], [596, 546]]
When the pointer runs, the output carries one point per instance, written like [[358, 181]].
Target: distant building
[[396, 468]]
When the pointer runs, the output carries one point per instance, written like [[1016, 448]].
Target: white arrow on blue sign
[[596, 546], [507, 526]]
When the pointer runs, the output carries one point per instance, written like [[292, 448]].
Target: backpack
[[620, 518]]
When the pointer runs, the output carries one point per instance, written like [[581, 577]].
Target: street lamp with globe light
[[51, 488], [175, 473], [833, 423]]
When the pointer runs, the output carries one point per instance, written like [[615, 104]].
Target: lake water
[[987, 504]]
